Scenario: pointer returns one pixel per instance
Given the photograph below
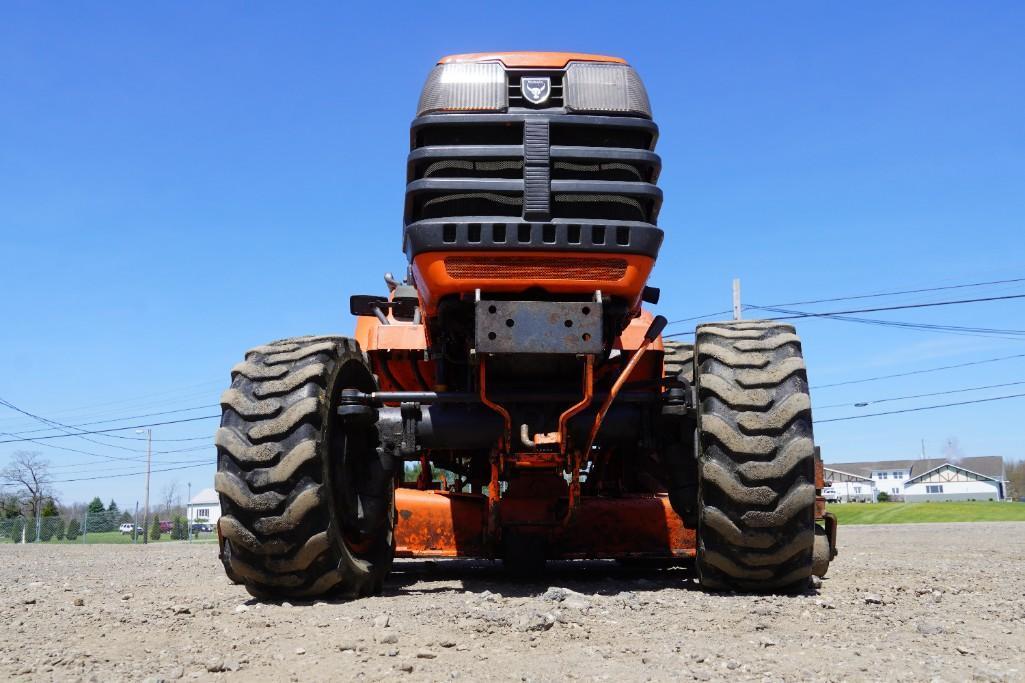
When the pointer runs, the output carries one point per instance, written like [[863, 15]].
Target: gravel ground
[[905, 602]]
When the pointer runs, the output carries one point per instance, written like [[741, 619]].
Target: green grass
[[911, 513], [116, 537]]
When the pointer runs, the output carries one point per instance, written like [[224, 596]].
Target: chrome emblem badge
[[536, 89]]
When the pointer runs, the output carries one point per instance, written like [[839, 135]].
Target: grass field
[[911, 513], [117, 537]]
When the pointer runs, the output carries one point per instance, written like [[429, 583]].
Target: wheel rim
[[358, 495]]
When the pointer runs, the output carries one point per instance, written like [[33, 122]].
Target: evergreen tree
[[59, 530], [47, 526], [98, 520], [113, 509], [30, 530], [16, 526], [74, 530], [50, 509], [154, 534], [126, 518], [176, 529]]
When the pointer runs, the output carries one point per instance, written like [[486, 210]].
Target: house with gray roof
[[976, 478]]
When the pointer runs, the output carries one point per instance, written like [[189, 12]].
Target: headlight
[[605, 87], [464, 87]]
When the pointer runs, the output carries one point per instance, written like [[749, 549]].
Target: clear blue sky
[[181, 182]]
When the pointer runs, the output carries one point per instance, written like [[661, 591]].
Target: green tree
[[98, 519], [126, 517], [154, 534], [74, 530], [30, 530], [113, 509], [60, 529], [47, 527], [10, 506], [50, 509]]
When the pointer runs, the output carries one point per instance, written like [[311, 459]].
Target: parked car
[[128, 527], [201, 527]]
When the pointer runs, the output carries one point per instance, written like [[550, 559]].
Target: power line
[[855, 297], [143, 399], [122, 419], [985, 332], [133, 474], [802, 314], [699, 317], [63, 428], [60, 426], [862, 404], [120, 429], [914, 410], [919, 372], [69, 449], [906, 291], [119, 468]]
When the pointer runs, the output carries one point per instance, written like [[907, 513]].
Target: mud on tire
[[307, 501], [756, 471]]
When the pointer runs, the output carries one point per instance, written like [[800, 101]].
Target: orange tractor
[[510, 397]]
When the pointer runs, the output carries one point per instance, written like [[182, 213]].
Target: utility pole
[[135, 523], [736, 298], [923, 449], [188, 509], [149, 463]]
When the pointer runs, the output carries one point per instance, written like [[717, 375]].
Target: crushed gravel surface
[[908, 602]]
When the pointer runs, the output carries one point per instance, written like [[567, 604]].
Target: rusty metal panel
[[538, 327], [439, 524], [632, 526]]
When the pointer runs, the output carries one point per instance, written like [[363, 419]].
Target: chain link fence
[[101, 527]]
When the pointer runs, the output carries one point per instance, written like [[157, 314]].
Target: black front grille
[[536, 166]]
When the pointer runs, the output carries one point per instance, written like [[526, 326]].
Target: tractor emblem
[[537, 89]]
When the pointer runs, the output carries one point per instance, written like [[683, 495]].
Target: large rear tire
[[756, 472], [307, 498]]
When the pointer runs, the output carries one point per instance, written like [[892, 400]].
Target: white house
[[978, 478], [204, 507], [847, 487]]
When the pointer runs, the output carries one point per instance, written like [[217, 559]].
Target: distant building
[[847, 487], [978, 478], [205, 506]]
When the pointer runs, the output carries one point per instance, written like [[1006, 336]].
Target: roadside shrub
[[30, 531], [180, 531], [883, 497], [16, 526], [154, 534], [74, 530], [59, 530]]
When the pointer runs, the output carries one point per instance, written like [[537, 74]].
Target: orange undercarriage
[[443, 524]]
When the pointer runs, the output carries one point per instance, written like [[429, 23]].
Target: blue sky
[[179, 182]]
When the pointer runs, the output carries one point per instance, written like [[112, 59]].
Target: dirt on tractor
[[943, 602]]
